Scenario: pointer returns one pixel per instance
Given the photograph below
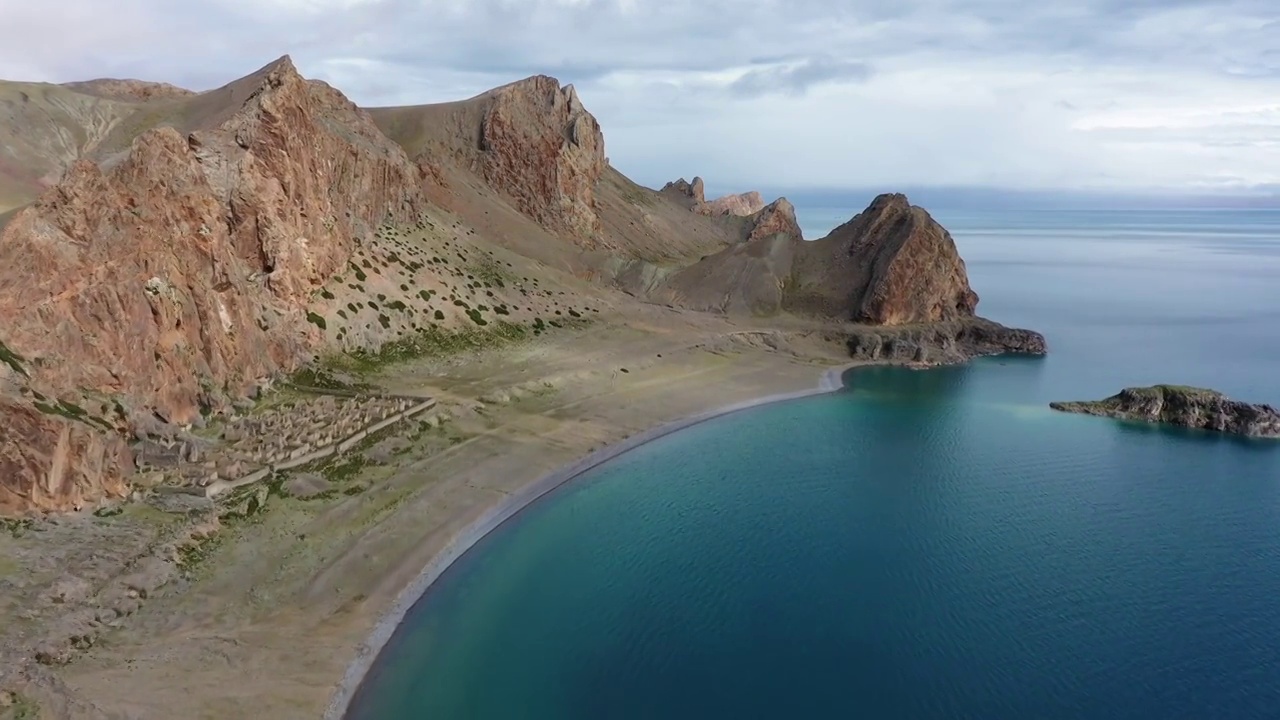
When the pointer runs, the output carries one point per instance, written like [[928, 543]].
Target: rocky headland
[[1183, 406]]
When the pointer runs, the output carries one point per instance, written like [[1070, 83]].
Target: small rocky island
[[1183, 406]]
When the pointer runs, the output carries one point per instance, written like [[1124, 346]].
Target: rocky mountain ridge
[[241, 231], [532, 140], [694, 194]]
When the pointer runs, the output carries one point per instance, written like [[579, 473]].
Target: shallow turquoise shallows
[[934, 545]]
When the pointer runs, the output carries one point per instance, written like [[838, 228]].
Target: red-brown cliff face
[[68, 463], [531, 140], [892, 264], [778, 216], [175, 275], [545, 150]]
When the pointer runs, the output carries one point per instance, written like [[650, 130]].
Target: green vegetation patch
[[20, 707], [360, 274], [193, 554], [17, 527], [490, 272], [108, 511], [12, 359], [71, 411], [323, 378], [316, 320], [431, 341]]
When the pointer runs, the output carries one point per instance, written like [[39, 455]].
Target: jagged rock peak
[[683, 188], [546, 151], [545, 87], [917, 272], [284, 63], [738, 204], [892, 264], [887, 203], [778, 216], [279, 72], [273, 74]]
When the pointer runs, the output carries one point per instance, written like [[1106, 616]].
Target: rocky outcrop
[[941, 343], [172, 278], [693, 194], [892, 274], [542, 148], [69, 463], [740, 204], [532, 141], [776, 218], [684, 189], [1185, 407], [892, 264]]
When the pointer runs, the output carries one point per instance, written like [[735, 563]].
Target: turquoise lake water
[[923, 544]]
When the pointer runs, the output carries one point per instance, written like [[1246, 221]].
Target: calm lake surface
[[924, 544]]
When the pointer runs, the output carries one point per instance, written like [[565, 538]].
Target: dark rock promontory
[[941, 343], [1183, 406]]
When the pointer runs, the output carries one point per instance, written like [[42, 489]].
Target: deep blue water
[[925, 544]]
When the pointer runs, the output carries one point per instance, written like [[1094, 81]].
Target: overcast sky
[[1124, 94]]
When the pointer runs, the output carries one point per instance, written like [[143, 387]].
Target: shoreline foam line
[[368, 651]]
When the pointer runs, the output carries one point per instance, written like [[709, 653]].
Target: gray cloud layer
[[1094, 93]]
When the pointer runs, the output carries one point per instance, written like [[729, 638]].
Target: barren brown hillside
[[43, 129], [535, 143]]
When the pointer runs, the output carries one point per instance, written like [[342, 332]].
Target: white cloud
[[838, 93]]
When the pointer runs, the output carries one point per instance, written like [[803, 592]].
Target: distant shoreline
[[367, 653]]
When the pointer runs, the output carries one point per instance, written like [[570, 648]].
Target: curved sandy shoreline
[[367, 653]]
